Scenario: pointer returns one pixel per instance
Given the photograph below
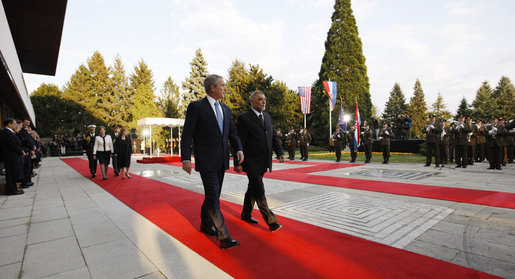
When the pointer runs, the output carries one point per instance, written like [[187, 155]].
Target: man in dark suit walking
[[209, 128], [115, 136], [89, 139], [259, 139], [12, 153]]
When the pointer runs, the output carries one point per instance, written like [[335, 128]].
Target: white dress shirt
[[99, 144], [212, 103]]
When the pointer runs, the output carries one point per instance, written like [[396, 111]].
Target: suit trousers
[[92, 164], [432, 148], [451, 152], [461, 155], [494, 154], [471, 154], [115, 165], [11, 176], [291, 152], [256, 194], [27, 170], [481, 152], [210, 212], [385, 148], [444, 153], [510, 153]]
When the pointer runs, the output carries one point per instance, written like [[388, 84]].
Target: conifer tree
[[120, 94], [141, 75], [396, 105], [79, 89], [142, 78], [418, 110], [463, 109], [193, 86], [439, 108], [169, 102], [343, 62], [101, 88], [504, 96], [483, 105], [238, 88]]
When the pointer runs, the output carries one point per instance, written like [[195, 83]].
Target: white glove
[[380, 138], [386, 132]]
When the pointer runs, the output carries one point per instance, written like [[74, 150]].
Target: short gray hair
[[253, 94], [210, 80]]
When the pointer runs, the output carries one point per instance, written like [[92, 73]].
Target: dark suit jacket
[[12, 150], [258, 142], [201, 131]]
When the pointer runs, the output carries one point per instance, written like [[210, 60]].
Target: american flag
[[305, 99]]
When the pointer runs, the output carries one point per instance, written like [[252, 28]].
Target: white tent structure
[[162, 122]]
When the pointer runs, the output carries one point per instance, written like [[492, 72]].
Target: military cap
[[92, 126]]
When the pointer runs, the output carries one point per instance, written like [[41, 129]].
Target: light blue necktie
[[219, 116]]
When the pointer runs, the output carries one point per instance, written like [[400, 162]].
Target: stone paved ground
[[68, 227]]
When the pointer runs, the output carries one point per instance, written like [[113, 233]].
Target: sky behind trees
[[451, 46]]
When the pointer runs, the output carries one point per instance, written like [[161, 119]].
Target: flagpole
[[330, 126], [304, 121]]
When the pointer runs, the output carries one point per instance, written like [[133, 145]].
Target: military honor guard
[[291, 142], [480, 142], [494, 142], [339, 139], [446, 138], [472, 141], [367, 141], [461, 135], [304, 141], [89, 140], [433, 131], [385, 134], [353, 149]]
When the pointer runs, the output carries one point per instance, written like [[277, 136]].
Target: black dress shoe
[[228, 243], [105, 178], [34, 174], [274, 226], [427, 165], [93, 176], [116, 174], [27, 185], [499, 168], [491, 168], [206, 230], [249, 220], [464, 166], [24, 186], [16, 193]]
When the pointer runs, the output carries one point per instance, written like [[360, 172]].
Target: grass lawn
[[319, 154]]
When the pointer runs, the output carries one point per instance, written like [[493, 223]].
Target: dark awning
[[36, 28]]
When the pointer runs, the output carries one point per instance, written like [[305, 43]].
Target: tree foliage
[[418, 110], [396, 105], [343, 62], [463, 109], [193, 86], [439, 108], [504, 96]]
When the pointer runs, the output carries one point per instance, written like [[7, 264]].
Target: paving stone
[[80, 273], [12, 249], [485, 264], [15, 212], [10, 270], [47, 203], [99, 230], [433, 250], [47, 214], [117, 259], [49, 230], [52, 258], [17, 203]]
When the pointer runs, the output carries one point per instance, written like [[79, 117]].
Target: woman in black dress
[[123, 151], [103, 150]]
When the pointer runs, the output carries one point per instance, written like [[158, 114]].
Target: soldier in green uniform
[[385, 134], [304, 140], [494, 133], [340, 141], [367, 142], [433, 131], [461, 132], [472, 141], [446, 138], [291, 142]]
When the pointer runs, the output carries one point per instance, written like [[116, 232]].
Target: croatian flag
[[305, 99], [357, 122], [341, 121], [330, 88]]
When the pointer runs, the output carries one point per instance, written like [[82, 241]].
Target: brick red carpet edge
[[298, 250]]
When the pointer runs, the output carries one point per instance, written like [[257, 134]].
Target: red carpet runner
[[298, 250], [302, 174]]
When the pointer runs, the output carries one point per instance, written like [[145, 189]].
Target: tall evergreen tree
[[102, 88], [483, 105], [169, 102], [193, 86], [343, 62], [418, 110], [143, 79], [141, 75], [439, 108], [396, 105], [120, 93], [238, 88], [463, 109], [504, 95]]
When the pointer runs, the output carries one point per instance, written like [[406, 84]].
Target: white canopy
[[161, 122]]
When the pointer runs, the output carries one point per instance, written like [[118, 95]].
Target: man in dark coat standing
[[115, 136], [209, 128], [259, 139], [461, 138], [12, 153]]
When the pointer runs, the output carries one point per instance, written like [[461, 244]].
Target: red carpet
[[298, 250], [302, 174]]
